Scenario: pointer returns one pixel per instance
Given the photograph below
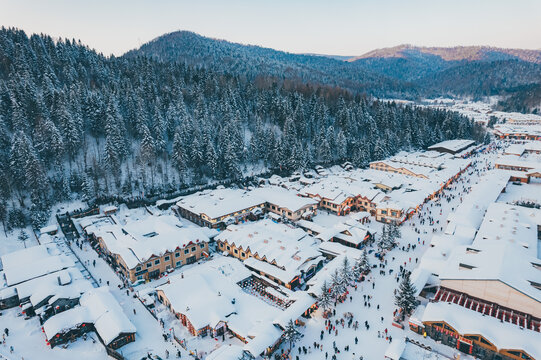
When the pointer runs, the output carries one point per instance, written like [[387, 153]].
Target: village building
[[522, 161], [499, 272], [41, 280], [221, 207], [497, 279], [99, 312], [33, 262], [469, 214], [330, 197], [473, 333], [146, 249], [286, 203], [518, 132], [49, 230], [52, 293], [350, 233], [342, 195], [400, 168], [452, 146], [285, 255], [225, 298], [522, 119]]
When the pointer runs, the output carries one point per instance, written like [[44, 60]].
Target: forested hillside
[[254, 61], [403, 71], [74, 123]]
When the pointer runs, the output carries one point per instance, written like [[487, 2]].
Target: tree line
[[77, 124]]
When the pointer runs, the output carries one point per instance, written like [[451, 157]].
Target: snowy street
[[373, 300]]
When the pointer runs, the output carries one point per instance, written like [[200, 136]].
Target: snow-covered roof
[[267, 335], [396, 349], [33, 262], [220, 202], [286, 246], [453, 145], [212, 291], [419, 278], [109, 208], [226, 352], [48, 229], [526, 161], [68, 284], [502, 335], [99, 307], [215, 296], [283, 198], [324, 274], [497, 261], [430, 159], [415, 169], [337, 249], [472, 209], [513, 224], [137, 241], [534, 130]]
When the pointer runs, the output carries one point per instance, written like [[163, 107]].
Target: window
[[140, 277], [222, 245], [167, 258], [193, 248], [149, 265], [228, 247], [178, 263], [535, 285], [202, 245], [138, 268], [186, 251], [243, 254], [177, 254], [236, 251], [485, 342], [157, 262]]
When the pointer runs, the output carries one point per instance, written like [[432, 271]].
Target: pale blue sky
[[341, 27]]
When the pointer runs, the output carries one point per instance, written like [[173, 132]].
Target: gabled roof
[[219, 202], [33, 262], [99, 307], [503, 335], [508, 263]]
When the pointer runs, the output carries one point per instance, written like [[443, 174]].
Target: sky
[[337, 27]]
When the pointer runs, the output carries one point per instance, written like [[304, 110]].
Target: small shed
[[109, 210]]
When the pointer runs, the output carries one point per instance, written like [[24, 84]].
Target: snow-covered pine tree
[[346, 272], [179, 155], [291, 334], [147, 151], [362, 265], [338, 286], [23, 236], [325, 300], [405, 297], [383, 239], [395, 231]]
